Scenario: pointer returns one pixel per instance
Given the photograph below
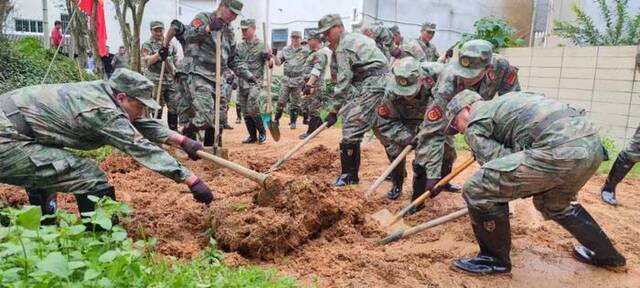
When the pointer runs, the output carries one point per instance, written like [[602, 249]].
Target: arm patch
[[196, 22], [434, 114], [384, 111]]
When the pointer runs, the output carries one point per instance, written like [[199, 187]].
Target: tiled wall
[[602, 80]]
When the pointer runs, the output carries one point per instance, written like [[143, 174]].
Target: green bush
[[605, 167], [25, 63], [496, 31], [68, 255]]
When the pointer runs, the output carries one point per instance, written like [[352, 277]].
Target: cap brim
[[405, 90], [238, 12], [464, 72], [150, 103], [157, 26], [448, 130], [325, 29]]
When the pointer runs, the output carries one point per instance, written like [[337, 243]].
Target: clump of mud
[[317, 159], [119, 163], [299, 211]]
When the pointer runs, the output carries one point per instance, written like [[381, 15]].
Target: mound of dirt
[[300, 211], [317, 159], [119, 163]]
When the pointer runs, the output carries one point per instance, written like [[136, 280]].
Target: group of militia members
[[528, 145]]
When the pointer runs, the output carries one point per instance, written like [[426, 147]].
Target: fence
[[603, 80]]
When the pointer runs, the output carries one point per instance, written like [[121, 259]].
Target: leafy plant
[[620, 29], [605, 166], [99, 154], [496, 31], [68, 255]]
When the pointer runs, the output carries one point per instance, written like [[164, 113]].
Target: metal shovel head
[[274, 130], [220, 152], [384, 217]]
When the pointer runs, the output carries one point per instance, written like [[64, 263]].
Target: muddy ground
[[324, 236]]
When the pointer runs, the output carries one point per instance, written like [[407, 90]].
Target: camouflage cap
[[156, 24], [461, 100], [234, 5], [406, 77], [314, 35], [328, 21], [135, 85], [295, 34], [474, 56], [246, 23], [394, 29], [428, 26]]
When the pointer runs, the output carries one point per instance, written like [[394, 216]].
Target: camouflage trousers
[[552, 176], [249, 100], [360, 114], [291, 94], [197, 101], [632, 151], [311, 104], [168, 96]]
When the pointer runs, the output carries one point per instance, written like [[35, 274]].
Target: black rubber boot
[[227, 126], [619, 170], [419, 184], [350, 162], [397, 179], [86, 205], [277, 117], [190, 131], [262, 133], [305, 118], [251, 128], [450, 187], [208, 137], [238, 114], [172, 121], [294, 117], [493, 232], [596, 248], [48, 202]]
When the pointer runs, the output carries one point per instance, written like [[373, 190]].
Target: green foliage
[[25, 63], [69, 256], [99, 154], [620, 29], [496, 31], [460, 144], [605, 167]]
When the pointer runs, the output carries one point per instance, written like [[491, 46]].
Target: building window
[[279, 38], [64, 18], [310, 31], [30, 26]]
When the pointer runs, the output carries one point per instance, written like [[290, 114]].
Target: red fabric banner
[[101, 25]]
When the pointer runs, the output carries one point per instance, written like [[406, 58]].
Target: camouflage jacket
[[152, 71], [84, 116], [200, 49], [508, 124], [293, 60], [430, 51], [251, 54], [414, 49], [355, 55], [316, 64], [384, 39], [503, 79]]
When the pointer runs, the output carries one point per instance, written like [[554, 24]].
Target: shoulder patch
[[196, 22], [384, 111], [428, 80], [511, 77], [434, 114]]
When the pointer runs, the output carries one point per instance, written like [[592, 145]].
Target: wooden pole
[[424, 226], [386, 173]]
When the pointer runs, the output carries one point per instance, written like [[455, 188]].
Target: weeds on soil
[[68, 255]]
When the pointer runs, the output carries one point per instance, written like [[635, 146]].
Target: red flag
[[101, 25]]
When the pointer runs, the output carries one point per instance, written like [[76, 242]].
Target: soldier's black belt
[[293, 74], [361, 75], [553, 117], [14, 115]]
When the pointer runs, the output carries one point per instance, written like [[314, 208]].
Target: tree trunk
[[137, 12], [5, 9], [78, 32], [93, 38], [121, 15]]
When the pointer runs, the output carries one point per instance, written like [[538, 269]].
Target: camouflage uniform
[[412, 48], [383, 37], [528, 146], [293, 60], [500, 78], [625, 161], [362, 70], [253, 54], [196, 73], [430, 50], [315, 65], [169, 94], [402, 111], [38, 122]]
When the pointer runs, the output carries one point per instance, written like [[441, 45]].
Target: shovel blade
[[274, 130], [220, 152], [384, 217]]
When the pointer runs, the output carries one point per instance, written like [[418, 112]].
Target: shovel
[[159, 111], [274, 130], [217, 150], [254, 176], [382, 216], [424, 226], [386, 173]]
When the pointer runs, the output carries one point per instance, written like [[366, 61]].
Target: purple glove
[[331, 119], [410, 141], [201, 192], [231, 78], [396, 52], [164, 53], [190, 147], [266, 56], [449, 53], [234, 86], [306, 89], [274, 51], [430, 186], [216, 24]]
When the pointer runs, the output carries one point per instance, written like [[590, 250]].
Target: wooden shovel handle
[[218, 89], [424, 226], [386, 173], [160, 88], [257, 177]]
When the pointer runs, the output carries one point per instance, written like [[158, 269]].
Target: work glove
[[274, 51], [252, 80], [306, 89], [430, 186], [164, 53], [234, 86], [449, 53], [190, 147], [231, 78], [216, 24], [265, 56], [410, 141], [331, 119], [396, 52], [201, 192]]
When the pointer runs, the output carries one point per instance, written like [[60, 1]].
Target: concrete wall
[[603, 80]]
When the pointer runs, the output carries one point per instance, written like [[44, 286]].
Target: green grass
[[605, 167]]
